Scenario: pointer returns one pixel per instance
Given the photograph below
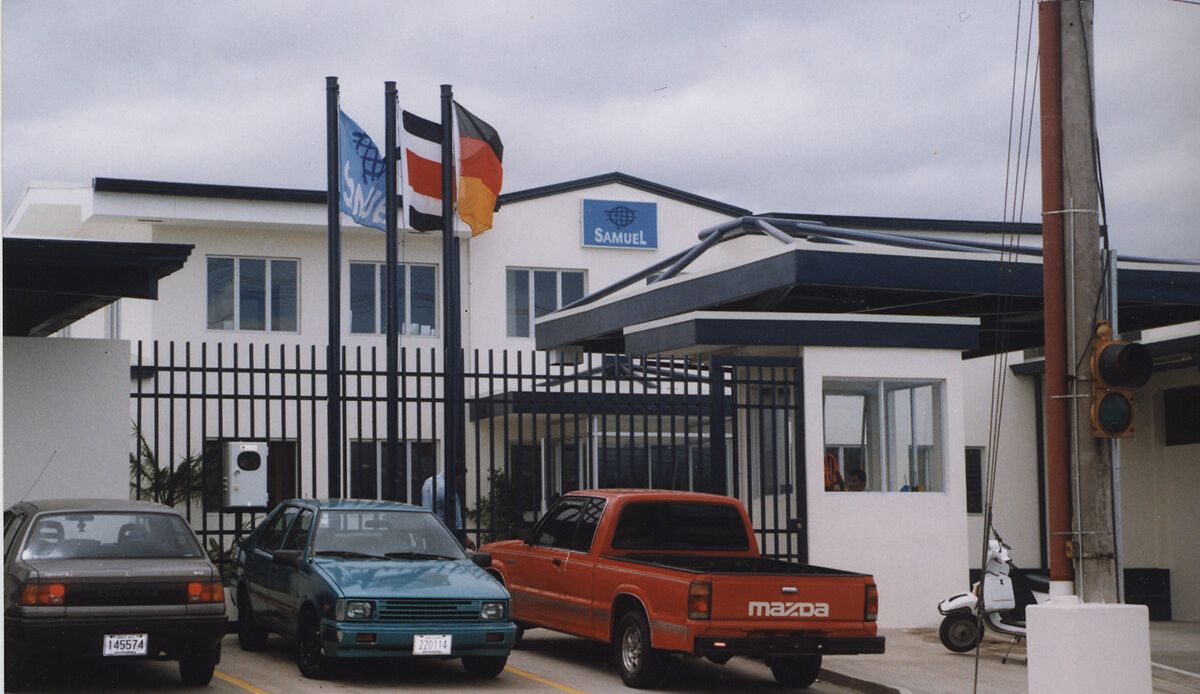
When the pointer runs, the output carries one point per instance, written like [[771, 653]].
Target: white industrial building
[[887, 391]]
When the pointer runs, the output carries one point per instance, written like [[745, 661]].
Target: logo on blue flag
[[363, 191]]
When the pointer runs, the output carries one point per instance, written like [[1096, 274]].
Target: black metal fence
[[535, 429]]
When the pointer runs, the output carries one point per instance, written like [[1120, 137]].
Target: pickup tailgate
[[836, 602]]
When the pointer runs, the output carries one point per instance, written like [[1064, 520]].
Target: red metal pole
[[1058, 469]]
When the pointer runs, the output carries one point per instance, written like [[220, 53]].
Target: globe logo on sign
[[620, 216], [372, 164]]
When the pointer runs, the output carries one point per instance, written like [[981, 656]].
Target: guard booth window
[[888, 431]]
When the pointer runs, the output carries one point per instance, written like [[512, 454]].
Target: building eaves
[[208, 190], [627, 180], [914, 224]]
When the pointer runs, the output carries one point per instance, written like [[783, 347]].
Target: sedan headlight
[[492, 610], [355, 609]]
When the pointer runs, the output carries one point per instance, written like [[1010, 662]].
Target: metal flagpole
[[333, 361], [393, 342], [451, 335]]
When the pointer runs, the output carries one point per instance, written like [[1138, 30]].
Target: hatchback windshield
[[370, 534], [109, 535]]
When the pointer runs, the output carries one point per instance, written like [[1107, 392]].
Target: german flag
[[480, 173]]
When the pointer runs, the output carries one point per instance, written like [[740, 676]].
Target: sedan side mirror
[[287, 557], [525, 535], [482, 559]]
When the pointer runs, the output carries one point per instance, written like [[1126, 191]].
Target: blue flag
[[362, 167]]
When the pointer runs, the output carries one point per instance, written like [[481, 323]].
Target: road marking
[[1175, 670], [542, 680], [238, 682]]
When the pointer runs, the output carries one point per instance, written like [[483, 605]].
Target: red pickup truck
[[663, 573]]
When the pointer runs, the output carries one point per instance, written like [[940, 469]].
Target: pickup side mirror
[[482, 559], [287, 557]]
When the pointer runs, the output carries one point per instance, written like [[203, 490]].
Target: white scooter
[[1004, 599]]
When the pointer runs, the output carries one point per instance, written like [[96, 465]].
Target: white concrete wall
[[913, 543], [1159, 486], [66, 418], [1015, 507]]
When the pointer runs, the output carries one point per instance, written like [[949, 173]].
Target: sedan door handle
[[558, 562]]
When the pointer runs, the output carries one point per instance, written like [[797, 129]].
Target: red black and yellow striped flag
[[479, 171]]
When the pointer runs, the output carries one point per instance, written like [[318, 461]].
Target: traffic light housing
[[1117, 369]]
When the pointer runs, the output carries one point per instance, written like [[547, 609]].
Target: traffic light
[[1117, 368]]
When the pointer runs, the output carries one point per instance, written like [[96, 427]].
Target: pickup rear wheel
[[641, 666], [798, 671]]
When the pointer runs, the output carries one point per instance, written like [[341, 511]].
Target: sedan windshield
[[374, 534], [130, 535]]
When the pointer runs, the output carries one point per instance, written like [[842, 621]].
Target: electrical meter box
[[245, 480]]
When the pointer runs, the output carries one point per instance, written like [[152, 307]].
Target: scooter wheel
[[960, 631]]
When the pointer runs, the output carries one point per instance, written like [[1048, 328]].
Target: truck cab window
[[557, 529], [586, 531]]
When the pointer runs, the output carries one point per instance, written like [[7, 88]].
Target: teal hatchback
[[351, 578]]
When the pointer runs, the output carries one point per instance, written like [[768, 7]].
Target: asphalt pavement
[[915, 662]]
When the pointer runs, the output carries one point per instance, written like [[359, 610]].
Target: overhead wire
[[1008, 256]]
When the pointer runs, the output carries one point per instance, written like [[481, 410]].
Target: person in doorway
[[833, 474], [433, 497], [856, 480]]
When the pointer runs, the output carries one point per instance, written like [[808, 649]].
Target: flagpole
[[333, 352], [451, 334], [393, 341]]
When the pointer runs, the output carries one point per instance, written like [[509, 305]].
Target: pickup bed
[[660, 574]]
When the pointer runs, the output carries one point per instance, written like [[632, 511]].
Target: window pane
[[545, 292], [283, 295], [572, 287], [423, 287], [362, 470], [974, 480], [518, 303], [401, 327], [362, 298], [220, 293], [252, 293], [424, 460], [394, 486]]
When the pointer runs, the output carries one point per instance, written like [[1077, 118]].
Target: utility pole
[[1079, 466], [1095, 547]]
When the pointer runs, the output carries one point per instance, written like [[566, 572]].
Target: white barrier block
[[1088, 647]]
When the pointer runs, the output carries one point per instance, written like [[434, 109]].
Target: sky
[[896, 109]]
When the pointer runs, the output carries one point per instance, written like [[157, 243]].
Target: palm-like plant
[[173, 487]]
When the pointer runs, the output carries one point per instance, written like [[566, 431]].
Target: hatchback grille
[[410, 610]]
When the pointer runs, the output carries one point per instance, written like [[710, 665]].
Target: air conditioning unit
[[245, 482]]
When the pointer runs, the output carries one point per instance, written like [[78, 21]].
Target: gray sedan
[[108, 579]]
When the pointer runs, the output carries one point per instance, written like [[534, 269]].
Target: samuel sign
[[615, 224]]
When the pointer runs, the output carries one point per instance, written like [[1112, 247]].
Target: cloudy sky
[[870, 108]]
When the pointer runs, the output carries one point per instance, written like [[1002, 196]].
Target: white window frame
[[380, 319], [237, 289], [530, 293]]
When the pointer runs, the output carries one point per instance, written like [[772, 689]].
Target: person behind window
[[856, 480], [833, 474], [436, 484]]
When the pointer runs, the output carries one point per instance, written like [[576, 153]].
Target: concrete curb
[[859, 684]]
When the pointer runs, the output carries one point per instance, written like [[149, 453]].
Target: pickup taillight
[[43, 594], [205, 591], [871, 609], [700, 600]]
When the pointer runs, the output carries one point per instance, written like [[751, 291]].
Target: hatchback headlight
[[492, 610], [355, 609]]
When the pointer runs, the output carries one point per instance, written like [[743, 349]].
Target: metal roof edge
[[625, 179]]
